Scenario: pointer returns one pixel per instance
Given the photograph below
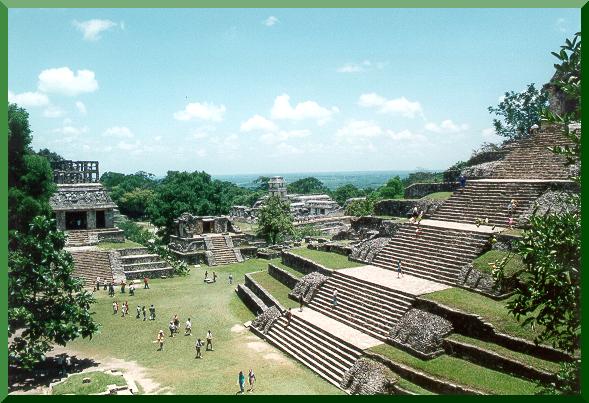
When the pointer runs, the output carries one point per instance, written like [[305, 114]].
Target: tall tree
[[518, 112], [308, 185], [46, 304], [393, 189], [275, 223]]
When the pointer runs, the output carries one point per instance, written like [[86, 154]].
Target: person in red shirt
[[145, 283]]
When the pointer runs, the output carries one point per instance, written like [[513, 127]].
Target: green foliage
[[567, 79], [189, 192], [50, 155], [262, 183], [422, 177], [275, 221], [308, 185], [358, 208], [345, 192], [303, 231], [453, 173], [30, 178], [518, 112], [132, 193], [45, 302], [393, 189]]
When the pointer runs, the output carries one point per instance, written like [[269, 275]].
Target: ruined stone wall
[[418, 190], [60, 220], [402, 208], [282, 275], [303, 265], [91, 219]]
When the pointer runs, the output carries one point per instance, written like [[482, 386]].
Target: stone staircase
[[92, 236], [222, 252], [436, 254], [368, 307], [486, 199], [138, 263], [531, 159], [89, 264], [327, 355]]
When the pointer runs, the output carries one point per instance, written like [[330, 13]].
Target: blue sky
[[234, 91]]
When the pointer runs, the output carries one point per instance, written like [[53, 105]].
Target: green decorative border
[[5, 4]]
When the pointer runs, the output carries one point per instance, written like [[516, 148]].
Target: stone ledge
[[282, 275], [304, 265], [261, 293], [251, 300]]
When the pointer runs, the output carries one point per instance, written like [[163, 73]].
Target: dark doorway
[[75, 220], [206, 227], [100, 220]]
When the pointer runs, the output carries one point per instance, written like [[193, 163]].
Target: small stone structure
[[277, 187], [308, 286], [403, 208], [266, 319], [476, 280], [421, 333], [367, 250], [368, 377]]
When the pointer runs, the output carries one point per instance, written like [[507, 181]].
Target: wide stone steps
[[91, 264], [77, 238], [365, 306], [138, 263], [323, 353], [436, 254], [145, 258]]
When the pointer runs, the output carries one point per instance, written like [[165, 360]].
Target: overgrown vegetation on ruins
[[275, 221]]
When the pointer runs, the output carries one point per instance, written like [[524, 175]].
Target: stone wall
[[368, 377], [266, 319], [307, 286], [109, 218], [402, 208], [60, 220], [333, 247], [366, 251], [282, 275], [474, 279], [474, 326], [418, 190], [152, 273], [303, 265], [110, 236], [261, 293], [251, 300]]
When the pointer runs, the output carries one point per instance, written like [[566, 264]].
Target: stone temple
[[81, 205]]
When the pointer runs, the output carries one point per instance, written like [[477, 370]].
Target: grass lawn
[[294, 272], [119, 245], [99, 382], [247, 228], [275, 287], [513, 265], [505, 352], [438, 196], [328, 259], [211, 306], [461, 372], [411, 387], [494, 312]]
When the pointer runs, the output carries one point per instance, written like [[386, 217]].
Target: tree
[[262, 183], [422, 177], [275, 221], [393, 189], [45, 303], [308, 185], [518, 112], [549, 293], [50, 155], [30, 178], [358, 208], [345, 192]]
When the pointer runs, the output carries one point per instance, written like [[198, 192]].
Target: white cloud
[[28, 99], [488, 133], [202, 111], [447, 126], [53, 111], [270, 21], [288, 149], [257, 122], [201, 152], [126, 146], [81, 107], [359, 129], [561, 25], [360, 67], [63, 81], [69, 133], [406, 135], [93, 28], [118, 131], [398, 106], [303, 110], [281, 136]]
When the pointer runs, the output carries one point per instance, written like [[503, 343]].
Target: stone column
[[60, 220], [109, 218], [91, 219]]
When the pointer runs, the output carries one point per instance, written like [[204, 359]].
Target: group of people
[[140, 310], [123, 285], [174, 328], [241, 381]]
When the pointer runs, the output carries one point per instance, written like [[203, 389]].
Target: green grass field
[[98, 383], [275, 287], [513, 265], [118, 245], [211, 306], [327, 259], [461, 372], [494, 312], [438, 196]]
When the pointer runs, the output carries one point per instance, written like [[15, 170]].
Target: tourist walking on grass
[[301, 302], [176, 323], [132, 290], [115, 307], [123, 286], [111, 289], [214, 277], [97, 283], [172, 328], [206, 274], [230, 278], [144, 312], [160, 340], [241, 381], [152, 312], [399, 268], [188, 328], [209, 341], [198, 346], [138, 312], [252, 379], [146, 283]]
